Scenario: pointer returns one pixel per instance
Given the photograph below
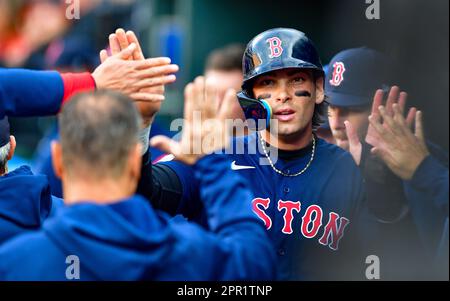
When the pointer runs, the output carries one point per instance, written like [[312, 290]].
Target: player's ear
[[12, 143], [135, 161], [320, 91], [57, 158]]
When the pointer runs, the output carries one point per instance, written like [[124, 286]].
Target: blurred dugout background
[[36, 34]]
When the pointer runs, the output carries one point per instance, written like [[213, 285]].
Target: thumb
[[226, 109], [352, 136], [103, 56], [127, 52], [166, 145], [355, 146]]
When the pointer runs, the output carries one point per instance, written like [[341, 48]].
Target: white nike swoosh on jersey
[[234, 166]]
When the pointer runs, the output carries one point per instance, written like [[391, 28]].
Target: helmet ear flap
[[257, 111]]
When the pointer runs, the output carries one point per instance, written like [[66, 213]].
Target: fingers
[[188, 100], [152, 62], [402, 101], [398, 116], [419, 127], [123, 41], [127, 52], [387, 118], [392, 98], [158, 71], [114, 44], [374, 121], [226, 109], [166, 145], [410, 118], [103, 56], [155, 81], [147, 97], [210, 102], [199, 93], [377, 101], [138, 54]]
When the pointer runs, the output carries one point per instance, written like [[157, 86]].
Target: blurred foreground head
[[98, 140], [224, 66]]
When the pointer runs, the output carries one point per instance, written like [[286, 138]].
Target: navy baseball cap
[[354, 75], [4, 131]]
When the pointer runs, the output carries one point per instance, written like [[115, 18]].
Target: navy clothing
[[428, 195], [329, 192], [129, 240], [25, 202], [42, 96], [409, 216]]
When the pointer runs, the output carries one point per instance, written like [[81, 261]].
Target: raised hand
[[205, 129], [395, 97], [149, 97], [396, 144]]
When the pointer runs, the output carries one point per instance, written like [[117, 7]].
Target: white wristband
[[144, 137]]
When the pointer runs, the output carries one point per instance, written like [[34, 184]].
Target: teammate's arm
[[425, 178], [25, 93], [236, 247]]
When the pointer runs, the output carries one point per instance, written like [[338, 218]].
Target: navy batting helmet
[[271, 50]]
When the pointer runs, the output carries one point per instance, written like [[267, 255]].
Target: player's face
[[292, 94], [358, 117]]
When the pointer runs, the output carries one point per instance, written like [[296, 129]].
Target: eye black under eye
[[297, 79], [264, 96]]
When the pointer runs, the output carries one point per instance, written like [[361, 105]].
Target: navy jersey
[[129, 240], [308, 217], [25, 93], [427, 193], [25, 202]]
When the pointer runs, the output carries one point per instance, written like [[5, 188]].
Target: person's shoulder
[[21, 246]]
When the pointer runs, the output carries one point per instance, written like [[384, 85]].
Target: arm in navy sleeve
[[26, 93], [171, 187], [237, 246], [30, 93], [427, 193]]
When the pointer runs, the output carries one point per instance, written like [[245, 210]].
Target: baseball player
[[311, 197], [115, 234], [395, 199]]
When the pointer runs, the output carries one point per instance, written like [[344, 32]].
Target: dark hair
[[227, 58], [97, 132]]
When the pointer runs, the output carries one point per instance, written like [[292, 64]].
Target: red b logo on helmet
[[338, 74], [275, 47]]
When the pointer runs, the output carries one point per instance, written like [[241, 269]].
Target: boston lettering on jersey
[[312, 221]]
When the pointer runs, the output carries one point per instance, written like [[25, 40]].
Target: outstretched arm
[[25, 93], [237, 246]]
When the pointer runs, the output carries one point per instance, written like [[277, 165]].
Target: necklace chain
[[279, 171]]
